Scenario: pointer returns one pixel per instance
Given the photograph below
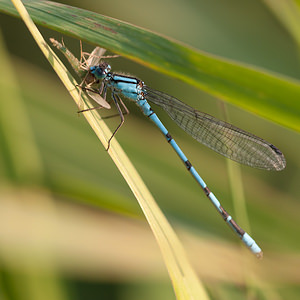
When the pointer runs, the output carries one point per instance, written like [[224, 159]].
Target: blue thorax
[[130, 87]]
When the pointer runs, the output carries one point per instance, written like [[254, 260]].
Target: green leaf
[[266, 94]]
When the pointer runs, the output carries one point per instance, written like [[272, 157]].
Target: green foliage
[[80, 236]]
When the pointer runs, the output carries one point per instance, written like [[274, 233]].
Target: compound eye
[[105, 67]]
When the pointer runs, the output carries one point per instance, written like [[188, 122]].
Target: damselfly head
[[100, 71]]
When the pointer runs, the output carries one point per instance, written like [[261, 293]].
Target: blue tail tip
[[251, 244]]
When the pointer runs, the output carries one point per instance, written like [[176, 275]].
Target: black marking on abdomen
[[206, 191], [224, 213], [169, 137], [151, 113], [188, 164], [237, 228]]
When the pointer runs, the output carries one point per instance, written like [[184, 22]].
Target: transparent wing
[[95, 57], [224, 138], [93, 60], [94, 94]]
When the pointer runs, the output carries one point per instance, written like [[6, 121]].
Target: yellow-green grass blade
[[258, 91]]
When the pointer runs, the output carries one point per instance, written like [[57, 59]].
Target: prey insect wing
[[89, 81]]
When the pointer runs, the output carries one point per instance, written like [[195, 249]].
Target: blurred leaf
[[16, 135], [288, 13], [271, 96]]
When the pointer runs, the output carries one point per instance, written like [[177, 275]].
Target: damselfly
[[224, 138]]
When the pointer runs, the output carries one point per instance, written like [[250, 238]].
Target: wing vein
[[222, 137]]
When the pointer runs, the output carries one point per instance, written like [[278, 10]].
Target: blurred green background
[[69, 226]]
